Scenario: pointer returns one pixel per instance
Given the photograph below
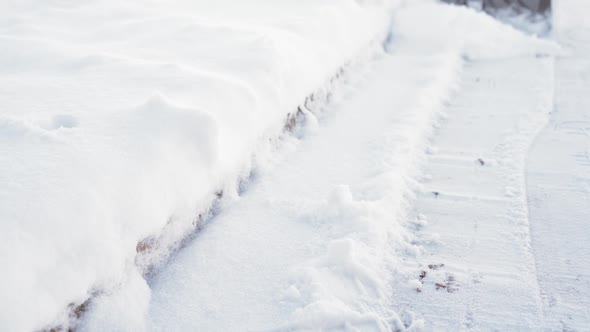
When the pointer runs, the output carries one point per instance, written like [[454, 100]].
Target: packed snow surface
[[476, 269], [505, 196], [558, 181]]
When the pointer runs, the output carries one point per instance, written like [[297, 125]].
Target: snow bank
[[571, 25], [122, 120], [461, 29]]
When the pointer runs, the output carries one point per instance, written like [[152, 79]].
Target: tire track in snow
[[558, 181], [475, 268]]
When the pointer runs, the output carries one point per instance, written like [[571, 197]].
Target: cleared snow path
[[477, 269], [306, 245], [558, 179], [320, 241]]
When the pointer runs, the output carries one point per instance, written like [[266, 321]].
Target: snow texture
[[121, 120], [125, 125], [316, 240]]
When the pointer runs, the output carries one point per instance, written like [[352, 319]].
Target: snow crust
[[121, 121], [558, 174]]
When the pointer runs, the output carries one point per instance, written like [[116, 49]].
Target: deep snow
[[125, 122], [316, 241], [121, 120], [304, 247]]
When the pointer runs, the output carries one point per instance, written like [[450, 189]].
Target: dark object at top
[[539, 6]]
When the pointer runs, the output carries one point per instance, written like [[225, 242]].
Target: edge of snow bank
[[161, 128], [106, 180]]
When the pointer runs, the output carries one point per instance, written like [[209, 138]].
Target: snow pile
[[532, 18], [315, 242], [124, 120], [529, 22], [461, 29], [348, 284]]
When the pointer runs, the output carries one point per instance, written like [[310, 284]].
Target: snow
[[558, 178], [510, 176], [148, 161], [316, 240], [481, 271], [294, 254], [120, 121]]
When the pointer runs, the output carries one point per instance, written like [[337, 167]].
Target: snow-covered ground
[[505, 197], [558, 181], [304, 245], [318, 239], [121, 120], [477, 269], [415, 193]]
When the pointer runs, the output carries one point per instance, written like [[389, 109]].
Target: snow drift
[[120, 121]]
